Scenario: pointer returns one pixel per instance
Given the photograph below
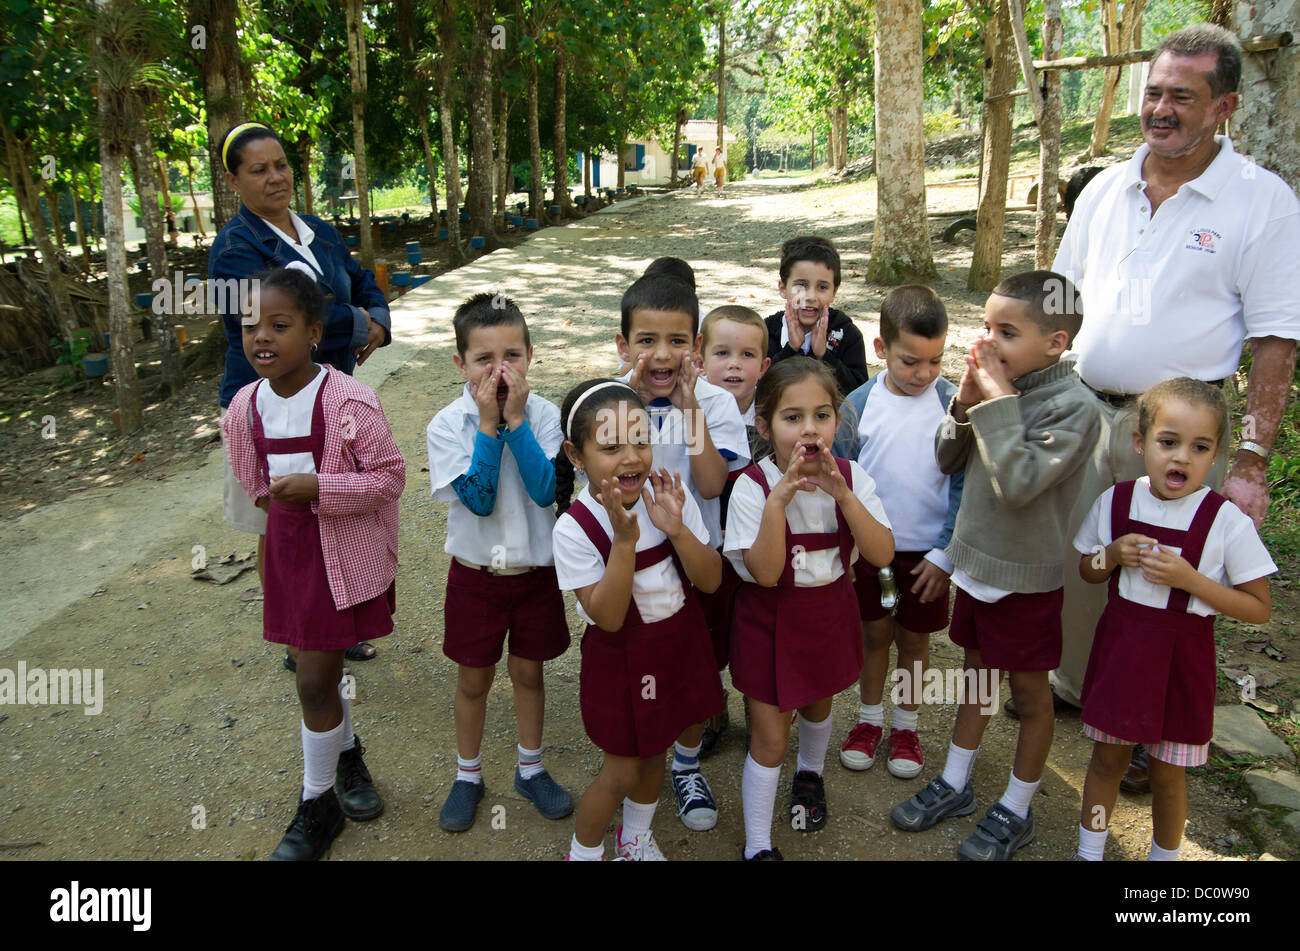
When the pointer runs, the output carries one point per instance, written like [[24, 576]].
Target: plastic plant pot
[[94, 365], [402, 279], [477, 242], [144, 301], [412, 246], [530, 224], [443, 234], [420, 280], [414, 258]]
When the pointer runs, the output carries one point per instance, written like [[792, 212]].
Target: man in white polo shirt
[[1180, 255]]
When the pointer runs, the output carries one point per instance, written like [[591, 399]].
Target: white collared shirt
[[289, 418], [301, 243], [1233, 552], [726, 429], [1176, 293], [518, 532], [656, 590], [808, 512]]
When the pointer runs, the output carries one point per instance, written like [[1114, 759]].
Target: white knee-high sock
[[349, 740], [814, 738], [1158, 854], [1092, 844], [1019, 795], [758, 798], [637, 817], [957, 768], [583, 853], [320, 759]]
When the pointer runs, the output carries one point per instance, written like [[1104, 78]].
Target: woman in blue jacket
[[266, 234]]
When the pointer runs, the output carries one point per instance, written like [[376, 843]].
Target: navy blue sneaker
[[696, 806], [462, 802], [546, 794], [997, 836], [936, 801]]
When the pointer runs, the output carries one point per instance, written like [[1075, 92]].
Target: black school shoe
[[356, 792], [312, 830], [767, 855], [807, 801]]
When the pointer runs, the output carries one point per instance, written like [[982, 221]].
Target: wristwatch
[[1254, 447]]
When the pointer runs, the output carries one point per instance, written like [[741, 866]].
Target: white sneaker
[[641, 849]]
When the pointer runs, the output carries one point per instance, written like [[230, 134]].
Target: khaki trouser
[[1114, 460]]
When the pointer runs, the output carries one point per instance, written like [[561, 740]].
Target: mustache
[[1155, 123]]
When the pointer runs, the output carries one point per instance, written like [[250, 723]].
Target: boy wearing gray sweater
[[1020, 427]]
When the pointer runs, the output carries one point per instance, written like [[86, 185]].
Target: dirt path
[[199, 715]]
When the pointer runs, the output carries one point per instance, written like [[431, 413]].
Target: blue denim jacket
[[247, 246]]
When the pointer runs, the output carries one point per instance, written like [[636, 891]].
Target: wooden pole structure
[[1252, 44], [1026, 60], [999, 79], [1049, 142]]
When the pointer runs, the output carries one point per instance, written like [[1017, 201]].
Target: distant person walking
[[699, 168], [719, 169]]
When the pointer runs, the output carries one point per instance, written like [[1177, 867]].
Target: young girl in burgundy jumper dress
[[312, 447], [631, 553], [1184, 554], [795, 524]]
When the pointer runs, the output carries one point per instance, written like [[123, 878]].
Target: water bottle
[[888, 590]]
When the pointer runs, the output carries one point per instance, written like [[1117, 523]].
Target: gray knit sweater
[[1022, 480]]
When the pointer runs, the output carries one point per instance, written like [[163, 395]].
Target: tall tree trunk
[[223, 91], [812, 149], [842, 140], [92, 205], [52, 203], [143, 170], [722, 73], [622, 163], [561, 142], [189, 182], [450, 157], [304, 159], [1267, 123], [832, 145], [586, 173], [999, 79], [164, 186], [27, 198], [81, 225], [535, 186], [677, 144], [1117, 37], [900, 249], [122, 352], [479, 199], [502, 153], [422, 118], [1049, 139], [357, 71], [22, 224]]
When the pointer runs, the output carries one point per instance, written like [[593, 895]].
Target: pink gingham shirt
[[362, 475]]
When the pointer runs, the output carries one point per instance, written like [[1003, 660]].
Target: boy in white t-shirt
[[695, 430], [898, 411], [490, 458]]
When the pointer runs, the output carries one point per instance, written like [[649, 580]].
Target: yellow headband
[[235, 133]]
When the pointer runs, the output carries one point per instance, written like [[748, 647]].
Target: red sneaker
[[859, 750], [905, 758]]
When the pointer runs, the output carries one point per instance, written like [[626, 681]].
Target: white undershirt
[[300, 244], [288, 418]]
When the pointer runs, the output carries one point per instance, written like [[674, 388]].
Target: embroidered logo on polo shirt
[[1203, 240]]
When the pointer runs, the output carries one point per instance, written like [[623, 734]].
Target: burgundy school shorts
[[482, 608], [912, 614], [1020, 633], [717, 612]]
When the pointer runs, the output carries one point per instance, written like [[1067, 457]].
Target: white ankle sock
[[1158, 854], [1019, 795], [470, 770], [320, 760], [957, 768], [530, 762], [1092, 845], [906, 719], [814, 738], [583, 853], [637, 817], [686, 757], [349, 740], [873, 713], [758, 798]]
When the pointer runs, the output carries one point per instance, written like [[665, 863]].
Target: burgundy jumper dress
[[792, 645], [623, 712], [298, 606], [1151, 674]]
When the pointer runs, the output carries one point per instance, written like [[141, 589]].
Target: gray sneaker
[[545, 793], [936, 801], [997, 836]]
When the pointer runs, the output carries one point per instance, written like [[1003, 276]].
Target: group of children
[[732, 500]]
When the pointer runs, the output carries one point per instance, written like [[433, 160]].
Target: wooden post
[[999, 77], [1049, 142], [1026, 59]]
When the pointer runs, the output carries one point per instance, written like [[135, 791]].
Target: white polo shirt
[[1233, 552], [301, 242], [518, 532], [657, 590], [808, 512], [1177, 293]]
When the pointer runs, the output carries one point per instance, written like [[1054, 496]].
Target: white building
[[184, 218], [646, 161]]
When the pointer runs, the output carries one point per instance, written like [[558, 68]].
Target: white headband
[[581, 399]]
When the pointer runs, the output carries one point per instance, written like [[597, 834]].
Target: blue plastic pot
[[412, 246], [413, 258], [421, 279], [351, 241], [443, 234], [530, 224], [477, 242], [402, 279], [95, 364], [144, 301]]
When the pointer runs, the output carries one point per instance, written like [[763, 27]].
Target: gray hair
[[1201, 38]]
